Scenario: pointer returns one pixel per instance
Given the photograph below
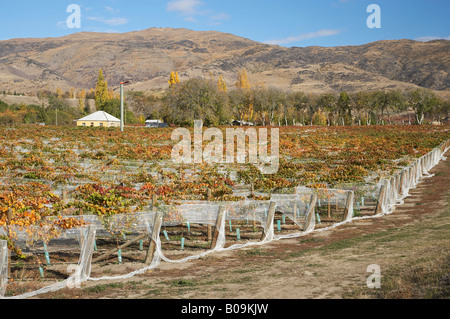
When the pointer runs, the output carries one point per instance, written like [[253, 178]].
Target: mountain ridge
[[147, 57]]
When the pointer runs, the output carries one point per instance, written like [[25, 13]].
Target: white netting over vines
[[60, 257], [3, 266], [188, 230], [392, 191]]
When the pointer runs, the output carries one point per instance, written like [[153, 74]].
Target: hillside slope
[[147, 57]]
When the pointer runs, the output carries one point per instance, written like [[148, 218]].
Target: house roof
[[100, 116]]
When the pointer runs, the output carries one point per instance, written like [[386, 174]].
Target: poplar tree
[[221, 85], [101, 91], [174, 79], [242, 82]]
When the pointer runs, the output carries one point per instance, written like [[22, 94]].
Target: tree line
[[211, 101], [216, 103], [58, 112]]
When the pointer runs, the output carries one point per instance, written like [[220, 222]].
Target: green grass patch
[[103, 287], [182, 283]]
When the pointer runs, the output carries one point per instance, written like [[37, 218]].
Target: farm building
[[99, 119]]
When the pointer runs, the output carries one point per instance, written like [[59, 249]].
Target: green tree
[[101, 91], [344, 109], [326, 102], [197, 99], [112, 106], [423, 102]]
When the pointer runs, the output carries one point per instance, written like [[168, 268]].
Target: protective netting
[[3, 266], [187, 230], [392, 191], [60, 257]]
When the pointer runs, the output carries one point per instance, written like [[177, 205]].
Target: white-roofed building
[[99, 119]]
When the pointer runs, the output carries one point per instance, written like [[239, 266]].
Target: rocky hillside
[[147, 57]]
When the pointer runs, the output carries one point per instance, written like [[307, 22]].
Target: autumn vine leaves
[[106, 173]]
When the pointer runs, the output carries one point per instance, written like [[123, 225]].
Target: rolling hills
[[147, 57]]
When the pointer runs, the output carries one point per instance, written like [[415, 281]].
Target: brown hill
[[147, 57]]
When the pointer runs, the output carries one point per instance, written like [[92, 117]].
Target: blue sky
[[283, 22]]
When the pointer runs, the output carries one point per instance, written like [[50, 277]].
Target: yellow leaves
[[317, 186], [59, 92], [221, 85], [242, 81], [69, 223], [101, 90], [174, 79]]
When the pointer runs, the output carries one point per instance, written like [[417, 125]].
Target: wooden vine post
[[401, 183], [378, 209], [157, 222], [329, 206], [9, 218], [269, 221], [310, 218], [295, 213], [208, 198], [348, 203], [219, 222]]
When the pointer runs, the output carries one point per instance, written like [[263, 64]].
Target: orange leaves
[[68, 223], [311, 156], [318, 186], [148, 188], [28, 218]]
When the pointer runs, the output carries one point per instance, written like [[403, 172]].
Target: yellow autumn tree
[[81, 99], [101, 91], [82, 94], [59, 92], [221, 85], [174, 79], [242, 81], [246, 113], [111, 94], [72, 93]]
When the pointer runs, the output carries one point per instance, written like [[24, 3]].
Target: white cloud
[[111, 10], [220, 16], [431, 38], [190, 10], [304, 36], [62, 25], [112, 21], [217, 19], [101, 30], [190, 19], [185, 7]]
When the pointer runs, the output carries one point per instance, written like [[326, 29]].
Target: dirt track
[[411, 246]]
